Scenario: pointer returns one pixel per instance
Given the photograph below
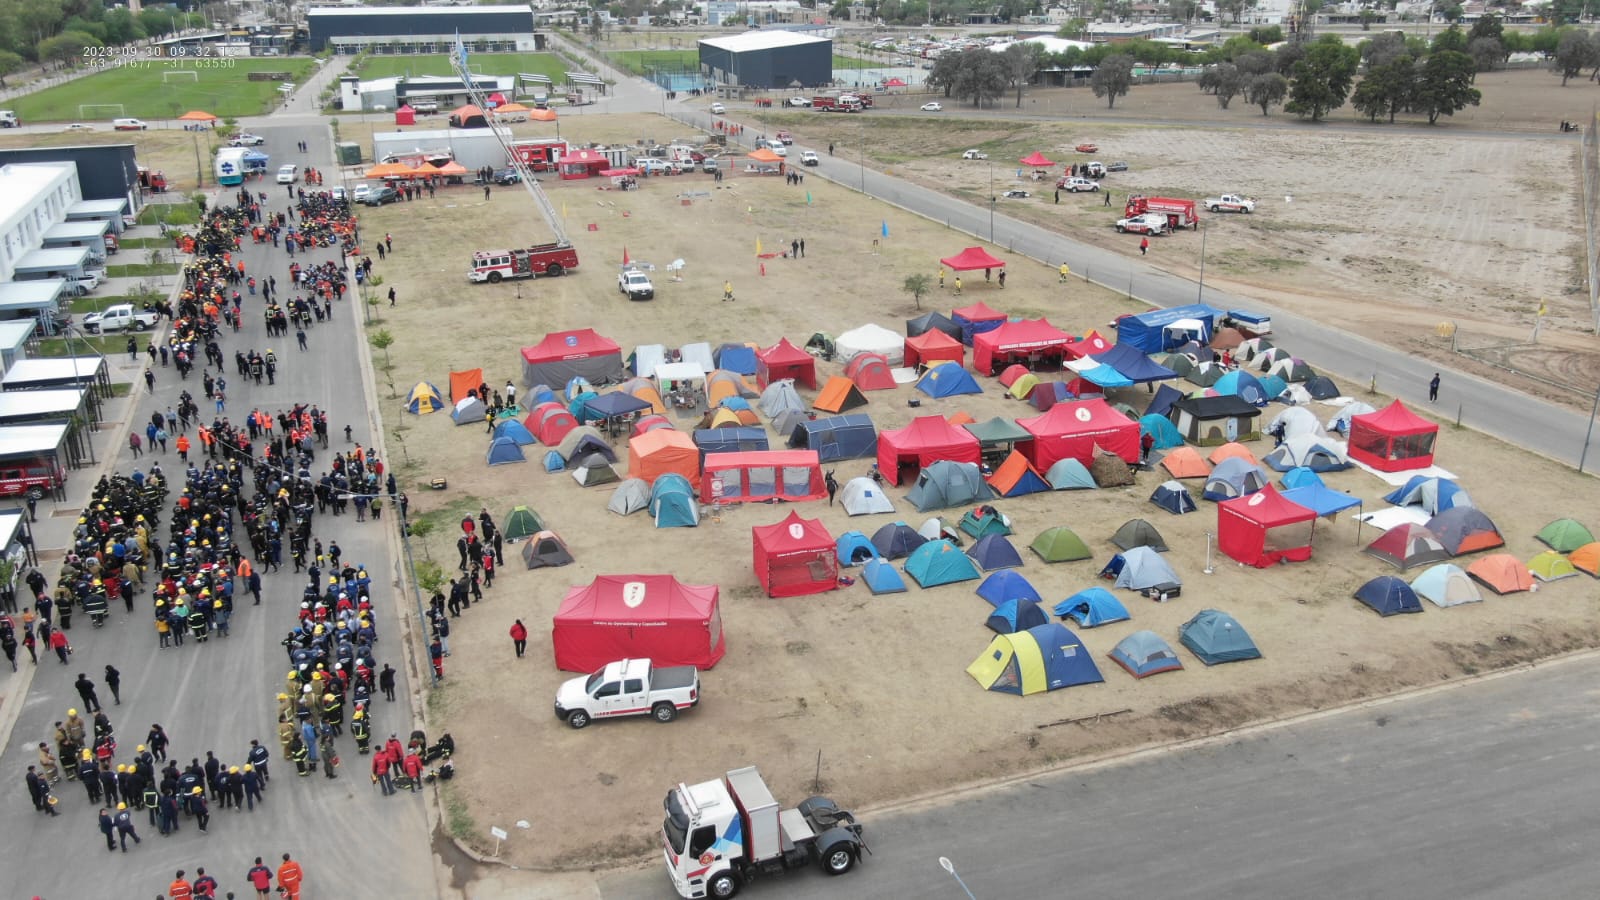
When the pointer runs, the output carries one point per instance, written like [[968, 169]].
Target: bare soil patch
[[875, 685]]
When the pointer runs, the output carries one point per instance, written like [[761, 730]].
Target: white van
[[128, 125], [8, 119]]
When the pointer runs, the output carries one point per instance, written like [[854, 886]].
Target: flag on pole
[[1543, 309], [758, 246], [808, 198], [885, 227], [624, 254], [563, 209]]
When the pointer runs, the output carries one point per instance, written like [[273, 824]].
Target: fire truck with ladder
[[1179, 213], [554, 258]]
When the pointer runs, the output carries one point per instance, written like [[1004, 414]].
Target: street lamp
[[1200, 296], [948, 866], [991, 202]]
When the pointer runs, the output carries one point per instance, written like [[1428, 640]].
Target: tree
[[1379, 51], [67, 48], [1485, 52], [1322, 80], [420, 528], [1575, 52], [1452, 13], [1490, 26], [946, 70], [382, 340], [1254, 63], [1444, 85], [1266, 90], [1386, 89], [1452, 38], [1112, 78], [916, 286], [1225, 82], [1367, 17], [10, 64], [1022, 63], [1073, 29], [982, 77], [1285, 57]]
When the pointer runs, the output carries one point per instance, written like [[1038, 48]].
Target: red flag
[[624, 254]]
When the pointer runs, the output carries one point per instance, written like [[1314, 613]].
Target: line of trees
[[62, 32]]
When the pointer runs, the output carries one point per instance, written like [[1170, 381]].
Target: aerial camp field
[[373, 67], [159, 89], [877, 685]]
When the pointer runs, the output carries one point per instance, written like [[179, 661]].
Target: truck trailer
[[720, 834]]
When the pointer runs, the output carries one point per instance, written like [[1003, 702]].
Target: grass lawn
[[641, 61], [171, 213], [146, 93], [481, 63], [136, 270], [107, 344]]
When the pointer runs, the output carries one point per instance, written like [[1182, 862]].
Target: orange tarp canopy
[[390, 170], [764, 155], [541, 115], [511, 108], [450, 168], [464, 383], [195, 115]]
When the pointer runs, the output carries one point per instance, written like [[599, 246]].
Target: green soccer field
[[640, 62], [480, 63], [154, 90]]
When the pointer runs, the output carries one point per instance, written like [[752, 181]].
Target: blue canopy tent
[[948, 379], [851, 436], [993, 552], [515, 431], [255, 159], [1008, 584], [854, 548], [1144, 653], [1322, 500], [1146, 332], [1105, 376], [735, 358], [1092, 607], [940, 562], [504, 450], [882, 578], [1161, 403], [1388, 596], [729, 440], [1134, 365], [1161, 428], [1012, 616], [614, 405]]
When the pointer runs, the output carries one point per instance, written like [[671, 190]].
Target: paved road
[[1484, 791], [352, 842]]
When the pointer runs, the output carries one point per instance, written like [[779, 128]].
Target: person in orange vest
[[183, 447], [180, 889], [290, 876]]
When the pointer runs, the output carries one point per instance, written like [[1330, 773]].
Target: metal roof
[[52, 259], [10, 527], [28, 404], [15, 334], [416, 11], [83, 228], [18, 295], [762, 40], [35, 371], [97, 208], [27, 440]]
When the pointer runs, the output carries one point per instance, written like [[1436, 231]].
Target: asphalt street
[[352, 841], [1484, 791]]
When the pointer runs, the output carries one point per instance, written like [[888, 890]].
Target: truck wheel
[[722, 886], [839, 859], [664, 712], [555, 270], [494, 277], [1121, 230], [578, 718]]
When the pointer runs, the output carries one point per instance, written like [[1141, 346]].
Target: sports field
[[157, 90], [480, 63], [640, 62]]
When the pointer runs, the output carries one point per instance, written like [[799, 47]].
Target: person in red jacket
[[519, 637], [413, 766], [380, 772], [260, 878], [394, 752]]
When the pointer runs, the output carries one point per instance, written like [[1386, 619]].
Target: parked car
[[361, 193], [507, 175], [974, 154], [382, 195], [79, 126], [933, 107], [1118, 166], [709, 166], [1075, 185], [628, 687], [288, 174], [337, 193], [81, 285], [1149, 223], [635, 284], [1015, 194], [718, 109], [808, 158], [128, 125], [1088, 148], [800, 102], [1095, 169], [119, 317], [245, 139]]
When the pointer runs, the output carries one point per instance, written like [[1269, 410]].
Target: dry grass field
[[875, 685]]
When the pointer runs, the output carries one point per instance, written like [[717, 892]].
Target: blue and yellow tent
[[424, 399], [1043, 658]]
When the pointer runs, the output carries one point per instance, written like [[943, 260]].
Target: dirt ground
[[1403, 228], [876, 686]]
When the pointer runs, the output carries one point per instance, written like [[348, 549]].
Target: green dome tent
[[521, 522]]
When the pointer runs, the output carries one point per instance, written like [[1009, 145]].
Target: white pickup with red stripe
[[628, 687]]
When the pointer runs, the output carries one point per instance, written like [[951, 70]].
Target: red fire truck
[[540, 154], [1179, 213], [495, 266], [833, 101]]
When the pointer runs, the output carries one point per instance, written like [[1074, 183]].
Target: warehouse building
[[767, 59], [105, 171], [422, 29]]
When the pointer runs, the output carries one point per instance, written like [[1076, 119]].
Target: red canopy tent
[[1263, 528], [925, 441], [1090, 344], [1031, 342], [785, 360], [973, 258], [796, 556], [638, 616], [564, 355], [1393, 439], [754, 475], [1074, 429], [933, 347], [405, 115], [584, 163], [1037, 160], [894, 82]]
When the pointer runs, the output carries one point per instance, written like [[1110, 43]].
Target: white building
[[389, 93], [34, 197]]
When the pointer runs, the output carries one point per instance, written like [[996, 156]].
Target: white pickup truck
[[119, 317], [635, 284], [1231, 203], [628, 687]]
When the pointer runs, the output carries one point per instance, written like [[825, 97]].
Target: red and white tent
[[1393, 439], [1030, 341], [1074, 429], [637, 616], [794, 557], [1263, 528], [924, 442]]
